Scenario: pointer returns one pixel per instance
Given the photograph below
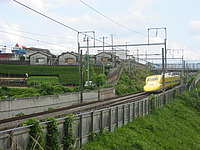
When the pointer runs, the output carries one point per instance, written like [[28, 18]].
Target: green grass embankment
[[131, 82], [67, 74], [175, 126]]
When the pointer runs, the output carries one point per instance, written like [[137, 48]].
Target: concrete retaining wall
[[12, 107], [94, 121]]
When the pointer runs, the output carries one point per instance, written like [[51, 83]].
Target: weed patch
[[174, 126]]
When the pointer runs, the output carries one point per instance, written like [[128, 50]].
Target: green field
[[67, 74], [175, 126], [43, 79]]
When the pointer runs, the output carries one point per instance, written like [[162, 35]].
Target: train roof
[[153, 76]]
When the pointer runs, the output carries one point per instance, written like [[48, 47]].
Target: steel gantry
[[129, 45]]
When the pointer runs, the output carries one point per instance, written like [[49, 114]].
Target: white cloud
[[9, 32], [179, 50], [194, 26], [143, 4], [39, 5], [138, 17]]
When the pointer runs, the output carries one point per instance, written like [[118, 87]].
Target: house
[[32, 50], [40, 58], [18, 52], [92, 59], [68, 58], [104, 56], [5, 56]]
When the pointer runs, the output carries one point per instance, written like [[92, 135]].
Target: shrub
[[68, 139], [46, 89], [52, 134], [36, 135], [101, 80], [5, 88]]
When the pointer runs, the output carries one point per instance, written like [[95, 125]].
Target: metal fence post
[[117, 116], [81, 130], [133, 110], [92, 121], [110, 119], [101, 124], [123, 114], [129, 112]]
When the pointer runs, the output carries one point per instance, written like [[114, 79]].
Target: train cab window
[[152, 79]]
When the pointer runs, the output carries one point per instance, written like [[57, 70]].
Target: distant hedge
[[67, 74]]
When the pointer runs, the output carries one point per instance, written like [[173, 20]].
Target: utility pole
[[85, 39], [130, 72], [163, 70], [103, 53], [113, 62], [88, 61], [127, 50], [80, 72], [164, 52]]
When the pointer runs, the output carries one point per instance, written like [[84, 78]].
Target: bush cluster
[[41, 90]]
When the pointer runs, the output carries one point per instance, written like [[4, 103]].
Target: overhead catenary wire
[[47, 16], [31, 38], [54, 20], [111, 19], [73, 29], [48, 36]]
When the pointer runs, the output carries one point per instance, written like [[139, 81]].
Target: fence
[[114, 74], [14, 62], [94, 121], [194, 82]]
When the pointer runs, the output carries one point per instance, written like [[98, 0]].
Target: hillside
[[131, 82], [175, 126], [67, 74]]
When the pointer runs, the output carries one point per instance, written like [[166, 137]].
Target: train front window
[[152, 79]]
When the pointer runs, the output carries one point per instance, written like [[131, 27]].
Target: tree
[[101, 80]]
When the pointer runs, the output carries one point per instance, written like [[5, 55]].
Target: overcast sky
[[128, 20]]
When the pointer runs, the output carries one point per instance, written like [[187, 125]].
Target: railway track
[[61, 112]]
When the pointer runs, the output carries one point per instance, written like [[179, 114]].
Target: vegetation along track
[[61, 112]]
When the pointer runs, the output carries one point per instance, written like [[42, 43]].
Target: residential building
[[68, 58], [106, 58], [40, 58], [5, 56]]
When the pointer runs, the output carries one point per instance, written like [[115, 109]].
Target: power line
[[110, 18], [35, 33], [47, 16], [31, 38], [58, 22], [55, 20]]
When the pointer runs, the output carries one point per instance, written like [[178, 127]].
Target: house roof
[[104, 53], [115, 56], [39, 50], [48, 55], [71, 53]]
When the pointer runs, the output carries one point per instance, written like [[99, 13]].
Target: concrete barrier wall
[[12, 107], [86, 123]]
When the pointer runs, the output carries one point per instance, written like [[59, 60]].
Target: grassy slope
[[175, 126], [138, 81], [67, 74]]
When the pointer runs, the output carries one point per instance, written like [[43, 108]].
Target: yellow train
[[154, 82]]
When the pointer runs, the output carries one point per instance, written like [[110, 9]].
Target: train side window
[[152, 79]]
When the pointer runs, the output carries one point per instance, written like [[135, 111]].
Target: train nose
[[152, 87]]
